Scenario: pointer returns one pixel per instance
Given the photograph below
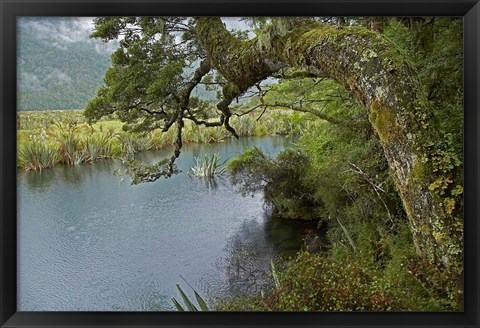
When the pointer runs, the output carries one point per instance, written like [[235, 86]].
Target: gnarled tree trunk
[[381, 79]]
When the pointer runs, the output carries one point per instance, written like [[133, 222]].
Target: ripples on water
[[88, 243]]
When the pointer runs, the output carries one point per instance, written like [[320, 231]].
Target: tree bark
[[374, 70]]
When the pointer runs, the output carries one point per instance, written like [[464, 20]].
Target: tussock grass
[[52, 137], [36, 156], [209, 167]]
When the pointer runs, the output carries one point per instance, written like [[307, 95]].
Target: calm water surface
[[88, 243]]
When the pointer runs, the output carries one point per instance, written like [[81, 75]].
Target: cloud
[[65, 29], [40, 81], [57, 75], [29, 81], [61, 31]]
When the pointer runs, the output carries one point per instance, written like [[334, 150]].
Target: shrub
[[244, 125], [209, 167], [37, 155], [69, 146], [99, 146], [282, 181], [319, 282], [132, 143]]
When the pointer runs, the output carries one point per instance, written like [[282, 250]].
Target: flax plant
[[209, 166]]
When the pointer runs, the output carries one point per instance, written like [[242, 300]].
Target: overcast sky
[[74, 29]]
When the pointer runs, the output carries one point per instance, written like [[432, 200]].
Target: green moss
[[230, 90], [419, 173], [367, 55], [383, 119]]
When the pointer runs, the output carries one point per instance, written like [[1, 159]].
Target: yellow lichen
[[449, 205]]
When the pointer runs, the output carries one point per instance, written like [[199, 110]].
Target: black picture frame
[[10, 10]]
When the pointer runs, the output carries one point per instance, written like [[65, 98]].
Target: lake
[[87, 242]]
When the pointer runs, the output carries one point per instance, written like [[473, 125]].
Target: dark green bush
[[282, 181]]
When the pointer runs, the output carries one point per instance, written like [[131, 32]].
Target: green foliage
[[267, 28], [244, 126], [281, 180], [209, 167], [314, 282], [132, 143], [321, 180], [347, 234], [141, 172], [147, 69], [276, 281], [67, 133], [380, 276], [370, 264], [436, 46], [250, 169], [189, 304], [36, 155], [241, 303], [337, 174], [100, 146], [324, 98]]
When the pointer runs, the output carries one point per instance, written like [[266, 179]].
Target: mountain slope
[[58, 65]]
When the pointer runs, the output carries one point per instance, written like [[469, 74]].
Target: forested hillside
[[59, 66]]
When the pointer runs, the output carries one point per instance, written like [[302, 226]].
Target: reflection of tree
[[245, 268], [288, 236], [77, 174], [211, 184], [41, 182], [247, 262]]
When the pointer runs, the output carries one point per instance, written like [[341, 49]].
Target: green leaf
[[178, 305], [187, 301], [276, 281], [201, 302], [350, 240]]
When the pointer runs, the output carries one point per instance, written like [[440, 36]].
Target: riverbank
[[54, 137]]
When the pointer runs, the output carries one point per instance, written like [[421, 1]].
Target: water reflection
[[42, 182], [39, 182], [246, 264], [211, 185], [288, 236], [247, 260]]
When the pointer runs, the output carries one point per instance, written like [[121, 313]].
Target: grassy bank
[[55, 137]]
